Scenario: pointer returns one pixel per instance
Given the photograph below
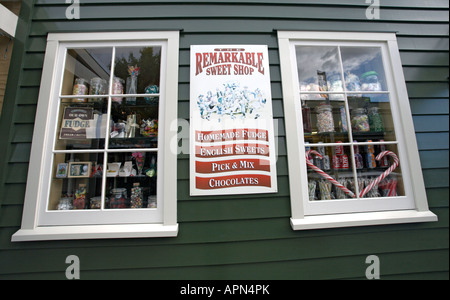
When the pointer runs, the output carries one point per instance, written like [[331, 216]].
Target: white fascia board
[[8, 21]]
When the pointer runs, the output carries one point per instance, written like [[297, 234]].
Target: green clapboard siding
[[246, 236]]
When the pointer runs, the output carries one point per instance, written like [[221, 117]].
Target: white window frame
[[164, 224], [414, 206]]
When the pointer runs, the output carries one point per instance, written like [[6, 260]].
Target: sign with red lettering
[[232, 141]]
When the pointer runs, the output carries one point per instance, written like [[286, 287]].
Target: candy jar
[[97, 87], [325, 122], [375, 120], [136, 196], [80, 197], [370, 82], [360, 121], [117, 89], [118, 198], [80, 88], [306, 113]]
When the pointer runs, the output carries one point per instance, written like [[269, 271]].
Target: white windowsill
[[95, 232], [362, 219]]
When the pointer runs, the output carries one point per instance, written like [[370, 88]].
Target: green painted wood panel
[[244, 236]]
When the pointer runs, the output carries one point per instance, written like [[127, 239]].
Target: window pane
[[138, 69], [76, 181], [319, 70], [363, 68], [87, 72], [131, 180], [81, 125], [371, 169], [335, 162], [134, 126], [325, 121], [371, 119]]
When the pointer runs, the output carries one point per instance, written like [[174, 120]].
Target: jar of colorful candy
[[118, 198], [360, 121], [375, 120], [80, 88], [325, 122]]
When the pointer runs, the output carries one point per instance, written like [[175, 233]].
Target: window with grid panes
[[103, 149], [349, 131]]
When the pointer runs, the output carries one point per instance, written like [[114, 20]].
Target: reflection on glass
[[87, 72], [76, 181], [363, 69], [336, 162], [319, 70], [81, 125], [131, 180], [391, 185], [138, 71]]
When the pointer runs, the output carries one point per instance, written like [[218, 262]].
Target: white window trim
[[296, 153], [30, 229]]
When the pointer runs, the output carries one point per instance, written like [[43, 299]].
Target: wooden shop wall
[[249, 236]]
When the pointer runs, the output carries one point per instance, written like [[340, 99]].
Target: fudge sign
[[232, 136]]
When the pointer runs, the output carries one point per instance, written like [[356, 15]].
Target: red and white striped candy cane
[[325, 175], [385, 174]]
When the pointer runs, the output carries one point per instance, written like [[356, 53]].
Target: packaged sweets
[[343, 120], [80, 88], [384, 163], [306, 113], [79, 202], [358, 158], [325, 122], [360, 121], [65, 203]]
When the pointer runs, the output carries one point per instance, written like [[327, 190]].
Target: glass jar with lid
[[360, 121], [80, 88], [375, 120], [370, 82], [325, 122], [118, 198], [97, 87]]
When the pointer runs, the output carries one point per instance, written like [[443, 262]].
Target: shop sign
[[75, 122], [232, 148]]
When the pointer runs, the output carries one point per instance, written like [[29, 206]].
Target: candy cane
[[325, 175], [385, 174]]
